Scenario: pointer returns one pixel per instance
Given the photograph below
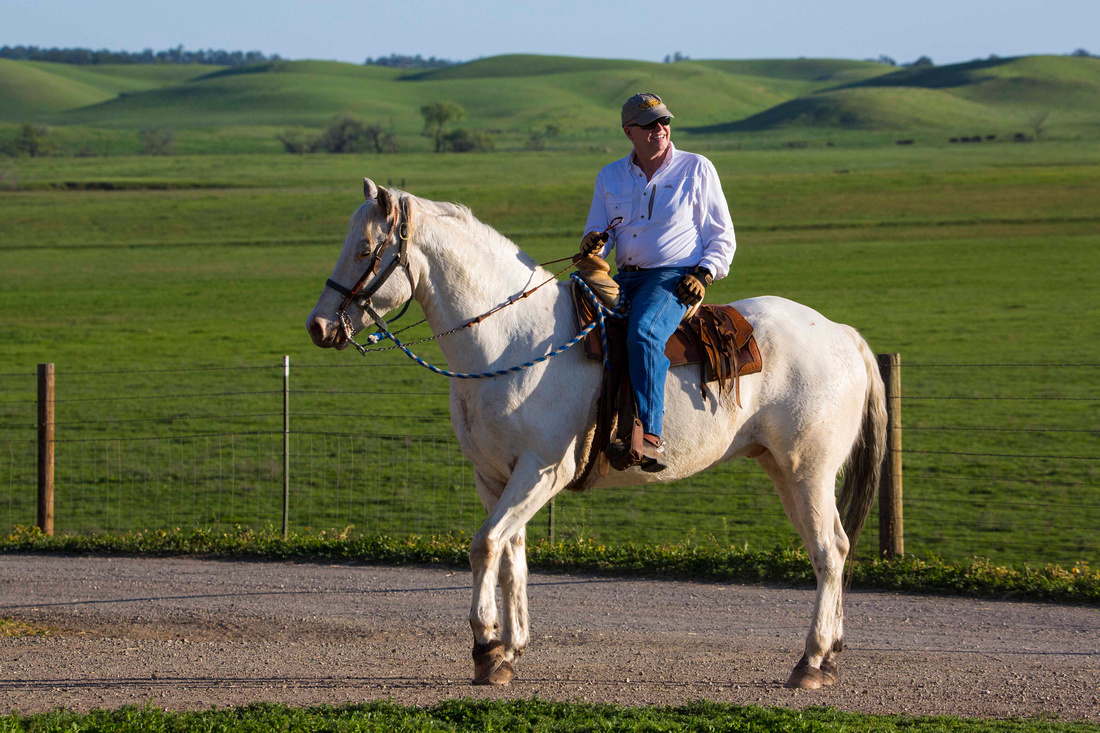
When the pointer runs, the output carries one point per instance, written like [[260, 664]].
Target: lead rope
[[601, 311]]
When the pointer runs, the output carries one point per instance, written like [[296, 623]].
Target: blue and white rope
[[601, 310]]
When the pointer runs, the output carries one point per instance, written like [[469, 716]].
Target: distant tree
[[1039, 123], [157, 141], [668, 59], [177, 55], [464, 141], [884, 59], [295, 141], [1081, 53], [539, 140], [922, 63], [397, 61], [32, 140], [436, 116]]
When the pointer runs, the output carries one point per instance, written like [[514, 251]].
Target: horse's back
[[792, 333], [816, 372]]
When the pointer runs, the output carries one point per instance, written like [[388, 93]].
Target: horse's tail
[[861, 472]]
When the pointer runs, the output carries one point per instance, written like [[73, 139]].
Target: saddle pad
[[705, 338]]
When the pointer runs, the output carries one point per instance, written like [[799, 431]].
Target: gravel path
[[189, 634]]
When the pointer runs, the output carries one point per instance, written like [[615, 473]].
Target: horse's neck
[[467, 277]]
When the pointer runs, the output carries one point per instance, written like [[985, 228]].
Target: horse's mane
[[434, 221]]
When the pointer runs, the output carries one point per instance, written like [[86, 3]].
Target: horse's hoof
[[502, 675], [830, 675], [490, 665], [805, 677]]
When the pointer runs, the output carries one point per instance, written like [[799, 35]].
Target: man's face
[[650, 143]]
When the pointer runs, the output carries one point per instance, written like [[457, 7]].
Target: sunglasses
[[663, 121]]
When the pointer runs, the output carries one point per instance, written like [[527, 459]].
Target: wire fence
[[1000, 461]]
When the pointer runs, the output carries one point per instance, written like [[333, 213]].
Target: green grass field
[[515, 715], [949, 255]]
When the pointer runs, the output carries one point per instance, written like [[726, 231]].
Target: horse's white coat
[[524, 433]]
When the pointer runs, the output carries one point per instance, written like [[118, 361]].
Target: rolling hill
[[519, 94], [995, 93]]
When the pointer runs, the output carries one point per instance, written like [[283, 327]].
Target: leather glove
[[593, 242], [693, 286]]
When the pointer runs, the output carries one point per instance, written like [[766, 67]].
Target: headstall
[[361, 292]]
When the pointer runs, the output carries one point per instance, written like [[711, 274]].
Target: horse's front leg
[[498, 548], [513, 586]]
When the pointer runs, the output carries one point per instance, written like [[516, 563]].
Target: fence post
[[550, 520], [891, 537], [286, 444], [45, 448]]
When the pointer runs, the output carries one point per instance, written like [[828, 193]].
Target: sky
[[947, 31]]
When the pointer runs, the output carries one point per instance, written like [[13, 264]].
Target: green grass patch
[[515, 715], [11, 628], [148, 280], [706, 560]]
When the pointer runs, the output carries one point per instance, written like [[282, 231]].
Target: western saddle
[[717, 337]]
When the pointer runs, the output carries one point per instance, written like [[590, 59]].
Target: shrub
[[157, 141], [464, 141], [32, 140], [295, 141]]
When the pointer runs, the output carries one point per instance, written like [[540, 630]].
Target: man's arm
[[715, 225], [597, 216]]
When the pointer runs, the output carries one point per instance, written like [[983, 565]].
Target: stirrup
[[652, 456], [618, 454]]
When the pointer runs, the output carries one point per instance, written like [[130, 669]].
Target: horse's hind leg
[[809, 503]]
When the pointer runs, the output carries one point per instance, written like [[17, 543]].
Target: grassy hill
[[995, 93], [519, 93], [32, 90], [513, 96]]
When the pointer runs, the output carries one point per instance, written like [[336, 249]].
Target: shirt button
[[635, 236], [643, 217]]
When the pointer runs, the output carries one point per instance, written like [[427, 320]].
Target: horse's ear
[[370, 191], [385, 204]]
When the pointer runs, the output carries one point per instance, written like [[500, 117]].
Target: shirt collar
[[631, 165]]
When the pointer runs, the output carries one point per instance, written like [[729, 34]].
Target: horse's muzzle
[[327, 334]]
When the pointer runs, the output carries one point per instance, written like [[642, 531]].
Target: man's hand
[[593, 242], [693, 286]]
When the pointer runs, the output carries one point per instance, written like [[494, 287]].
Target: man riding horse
[[675, 238]]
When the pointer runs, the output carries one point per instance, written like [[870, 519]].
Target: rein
[[602, 312], [362, 298]]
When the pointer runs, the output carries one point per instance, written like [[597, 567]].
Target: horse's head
[[371, 274]]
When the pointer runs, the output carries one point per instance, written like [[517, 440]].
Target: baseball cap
[[643, 108]]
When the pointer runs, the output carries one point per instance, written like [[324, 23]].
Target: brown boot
[[653, 454]]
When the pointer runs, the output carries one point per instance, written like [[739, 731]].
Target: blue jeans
[[655, 312]]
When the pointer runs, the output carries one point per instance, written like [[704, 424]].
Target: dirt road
[[189, 634]]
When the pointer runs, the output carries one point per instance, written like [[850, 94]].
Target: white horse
[[815, 409]]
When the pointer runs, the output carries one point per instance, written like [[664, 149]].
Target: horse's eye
[[364, 249]]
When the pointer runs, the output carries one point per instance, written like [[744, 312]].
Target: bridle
[[403, 225], [361, 292]]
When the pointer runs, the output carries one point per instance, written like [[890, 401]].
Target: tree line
[[177, 55], [398, 61]]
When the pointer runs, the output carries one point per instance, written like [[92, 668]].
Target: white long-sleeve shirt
[[678, 219]]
